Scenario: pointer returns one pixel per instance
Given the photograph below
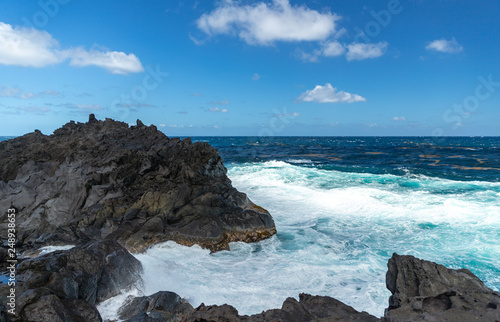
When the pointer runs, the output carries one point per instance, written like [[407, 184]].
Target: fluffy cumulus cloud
[[333, 49], [445, 46], [399, 118], [360, 51], [29, 47], [264, 23], [113, 61], [329, 94]]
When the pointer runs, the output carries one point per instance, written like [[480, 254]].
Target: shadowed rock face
[[104, 179], [161, 306], [66, 285], [426, 291]]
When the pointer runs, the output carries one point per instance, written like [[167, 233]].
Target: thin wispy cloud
[[361, 51], [223, 102], [36, 110], [7, 91], [264, 24], [399, 118], [134, 105], [445, 46], [256, 77], [218, 110], [28, 47], [353, 51], [329, 94]]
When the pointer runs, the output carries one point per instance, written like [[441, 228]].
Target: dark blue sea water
[[342, 206]]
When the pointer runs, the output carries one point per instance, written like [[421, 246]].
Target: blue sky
[[277, 67]]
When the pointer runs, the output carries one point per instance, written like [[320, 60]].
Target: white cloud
[[445, 46], [263, 23], [360, 51], [113, 61], [34, 109], [399, 118], [329, 94], [256, 77], [333, 49], [29, 47], [216, 109], [7, 91]]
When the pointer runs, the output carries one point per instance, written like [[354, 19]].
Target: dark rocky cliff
[[103, 179]]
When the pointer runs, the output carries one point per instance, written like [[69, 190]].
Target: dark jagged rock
[[161, 306], [426, 291], [104, 179], [308, 308], [66, 285]]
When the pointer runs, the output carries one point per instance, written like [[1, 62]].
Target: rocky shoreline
[[67, 286], [110, 189]]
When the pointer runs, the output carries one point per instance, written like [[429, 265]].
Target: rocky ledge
[[105, 180]]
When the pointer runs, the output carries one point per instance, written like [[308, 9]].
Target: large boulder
[[104, 179], [161, 306], [66, 285], [426, 291]]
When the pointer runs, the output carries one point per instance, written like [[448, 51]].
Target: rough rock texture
[[66, 285], [104, 179], [161, 306], [308, 308], [426, 291]]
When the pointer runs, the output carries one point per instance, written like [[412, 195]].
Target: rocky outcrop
[[308, 308], [161, 306], [426, 291], [66, 285], [103, 179]]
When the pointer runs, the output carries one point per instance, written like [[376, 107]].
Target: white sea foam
[[336, 231]]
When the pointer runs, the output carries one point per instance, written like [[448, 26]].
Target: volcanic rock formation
[[105, 180]]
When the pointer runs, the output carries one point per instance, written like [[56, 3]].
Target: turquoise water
[[342, 206]]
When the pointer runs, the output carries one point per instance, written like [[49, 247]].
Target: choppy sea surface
[[342, 206]]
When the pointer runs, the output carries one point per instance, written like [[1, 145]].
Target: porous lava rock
[[426, 291]]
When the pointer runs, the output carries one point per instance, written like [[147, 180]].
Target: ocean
[[342, 206]]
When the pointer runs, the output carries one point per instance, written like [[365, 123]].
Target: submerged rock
[[104, 179], [426, 291], [66, 285]]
